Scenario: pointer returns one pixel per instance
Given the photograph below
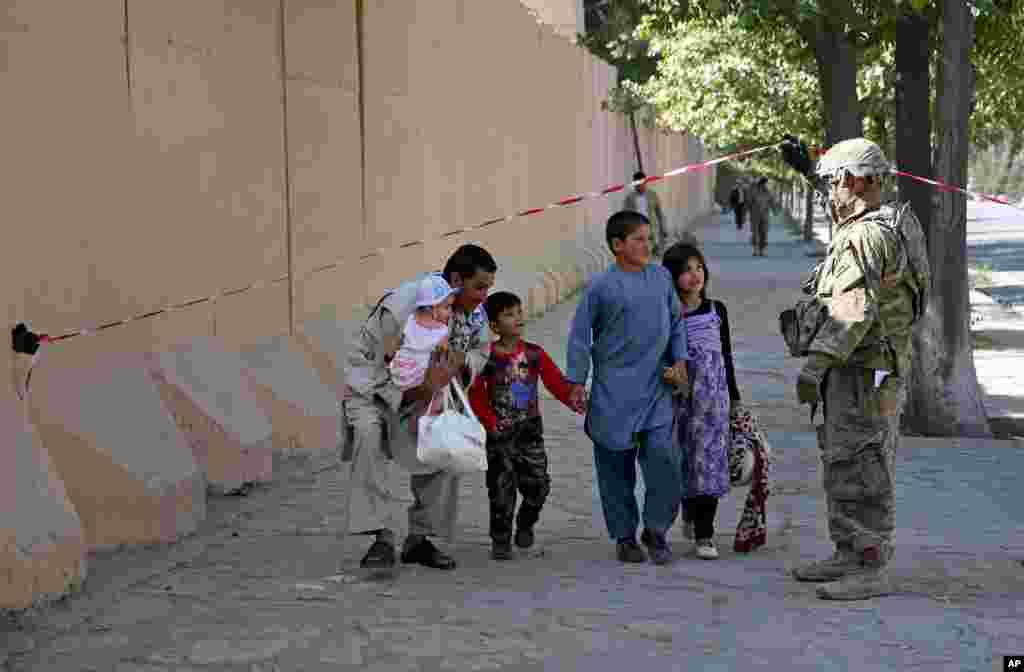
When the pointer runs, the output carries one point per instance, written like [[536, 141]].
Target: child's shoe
[[627, 550], [524, 537], [706, 549], [501, 550], [657, 547]]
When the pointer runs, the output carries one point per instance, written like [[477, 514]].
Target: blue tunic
[[630, 324]]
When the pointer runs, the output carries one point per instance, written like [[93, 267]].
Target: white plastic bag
[[453, 441]]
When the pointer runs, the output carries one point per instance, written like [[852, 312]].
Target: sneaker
[[706, 549], [657, 547], [524, 537], [501, 550], [628, 550]]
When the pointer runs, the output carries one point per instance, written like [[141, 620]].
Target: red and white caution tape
[[949, 187], [565, 202], [570, 201]]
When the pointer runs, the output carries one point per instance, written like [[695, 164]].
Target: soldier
[[873, 282], [738, 203]]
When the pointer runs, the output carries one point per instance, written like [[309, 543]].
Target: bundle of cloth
[[749, 463]]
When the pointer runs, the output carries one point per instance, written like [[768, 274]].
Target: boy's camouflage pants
[[858, 444], [517, 463]]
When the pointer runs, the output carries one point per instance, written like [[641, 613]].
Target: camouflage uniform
[[859, 353]]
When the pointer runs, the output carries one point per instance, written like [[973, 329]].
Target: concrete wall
[[168, 161], [564, 16], [158, 152]]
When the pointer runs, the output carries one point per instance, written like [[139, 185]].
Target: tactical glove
[[795, 154]]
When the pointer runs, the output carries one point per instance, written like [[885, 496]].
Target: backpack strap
[[868, 285]]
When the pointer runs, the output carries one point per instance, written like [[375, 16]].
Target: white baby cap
[[433, 290]]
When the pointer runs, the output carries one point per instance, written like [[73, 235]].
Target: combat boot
[[844, 561], [870, 580]]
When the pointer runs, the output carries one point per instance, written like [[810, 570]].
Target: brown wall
[[152, 156]]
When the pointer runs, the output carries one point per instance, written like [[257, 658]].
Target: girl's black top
[[723, 315]]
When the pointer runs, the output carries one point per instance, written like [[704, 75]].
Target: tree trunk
[[808, 213], [836, 57], [1016, 144], [636, 141], [913, 113], [945, 398]]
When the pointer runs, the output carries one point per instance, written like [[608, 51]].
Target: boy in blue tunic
[[629, 323]]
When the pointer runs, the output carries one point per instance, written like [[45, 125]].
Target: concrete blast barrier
[[302, 408], [127, 469], [327, 343], [42, 548], [204, 386]]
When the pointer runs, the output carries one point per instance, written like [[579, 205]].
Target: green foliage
[[999, 60], [737, 72], [617, 42], [731, 86], [999, 168]]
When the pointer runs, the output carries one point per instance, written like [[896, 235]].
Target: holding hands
[[578, 398], [678, 376]]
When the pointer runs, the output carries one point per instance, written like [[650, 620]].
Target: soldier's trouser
[[858, 442], [372, 501], [738, 213], [518, 463]]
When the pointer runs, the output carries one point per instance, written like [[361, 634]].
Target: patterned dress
[[702, 421]]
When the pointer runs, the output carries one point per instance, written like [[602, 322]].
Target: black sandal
[[380, 556]]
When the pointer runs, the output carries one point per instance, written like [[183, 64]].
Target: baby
[[425, 331]]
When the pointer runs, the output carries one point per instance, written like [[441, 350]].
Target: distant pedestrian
[[646, 202], [761, 207], [737, 199]]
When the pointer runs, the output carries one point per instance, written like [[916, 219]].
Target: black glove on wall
[[24, 341]]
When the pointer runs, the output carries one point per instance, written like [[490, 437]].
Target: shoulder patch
[[850, 306]]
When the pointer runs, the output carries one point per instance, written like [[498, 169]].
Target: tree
[[945, 399], [914, 46], [611, 36], [998, 57], [734, 87], [998, 118], [944, 396], [832, 32]]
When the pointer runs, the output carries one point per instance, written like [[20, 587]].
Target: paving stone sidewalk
[[267, 584]]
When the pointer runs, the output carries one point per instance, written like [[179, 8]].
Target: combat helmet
[[858, 156]]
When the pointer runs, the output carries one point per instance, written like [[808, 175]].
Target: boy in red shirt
[[504, 398]]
